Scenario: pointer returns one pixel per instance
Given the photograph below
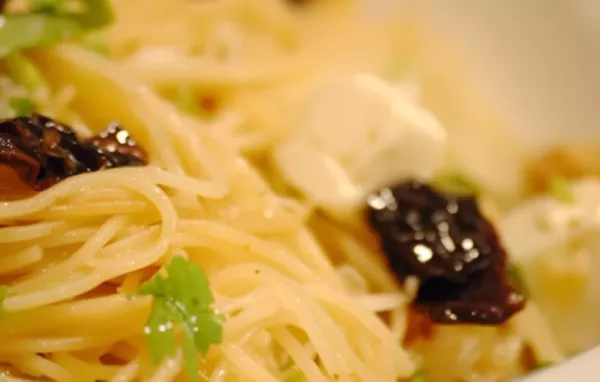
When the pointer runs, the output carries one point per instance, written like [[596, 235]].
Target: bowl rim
[[580, 367]]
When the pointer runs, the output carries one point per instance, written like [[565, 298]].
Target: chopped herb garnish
[[94, 14], [24, 72], [96, 43], [459, 182], [22, 106], [49, 6], [51, 22], [181, 298], [517, 276], [561, 189], [419, 376], [20, 32]]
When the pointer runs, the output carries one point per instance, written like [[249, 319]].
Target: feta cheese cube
[[546, 222], [558, 244], [359, 133]]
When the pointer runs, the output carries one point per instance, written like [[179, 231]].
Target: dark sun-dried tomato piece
[[450, 247], [42, 152]]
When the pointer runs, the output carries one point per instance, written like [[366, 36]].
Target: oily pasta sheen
[[295, 288], [77, 250]]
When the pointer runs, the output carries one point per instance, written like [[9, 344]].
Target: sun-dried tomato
[[43, 152], [450, 247]]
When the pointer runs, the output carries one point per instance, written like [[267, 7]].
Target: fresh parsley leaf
[[18, 32], [96, 14], [561, 189], [21, 106], [49, 23], [182, 298], [95, 42], [159, 332], [24, 72], [517, 276], [419, 376], [48, 6]]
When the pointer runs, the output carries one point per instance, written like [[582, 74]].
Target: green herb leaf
[[50, 23], [419, 376], [95, 42], [159, 332], [21, 106], [183, 298], [19, 32], [24, 72], [96, 14], [561, 189], [459, 182], [517, 276], [48, 6]]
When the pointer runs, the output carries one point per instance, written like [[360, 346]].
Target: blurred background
[[537, 62]]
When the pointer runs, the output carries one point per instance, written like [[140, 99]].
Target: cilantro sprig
[[24, 72], [183, 298], [50, 22], [21, 106]]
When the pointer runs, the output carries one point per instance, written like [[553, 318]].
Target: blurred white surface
[[582, 368], [537, 61]]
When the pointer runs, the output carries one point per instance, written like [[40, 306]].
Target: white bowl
[[581, 368], [536, 60], [536, 63]]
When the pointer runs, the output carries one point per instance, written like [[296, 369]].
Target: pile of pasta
[[206, 88]]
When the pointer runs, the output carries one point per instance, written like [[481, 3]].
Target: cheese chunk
[[558, 244], [359, 133], [547, 222]]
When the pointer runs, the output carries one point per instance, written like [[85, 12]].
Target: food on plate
[[272, 190]]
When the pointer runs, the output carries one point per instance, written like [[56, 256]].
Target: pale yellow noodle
[[298, 354], [19, 260], [127, 373], [30, 232], [39, 366], [84, 371], [291, 284], [244, 363]]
